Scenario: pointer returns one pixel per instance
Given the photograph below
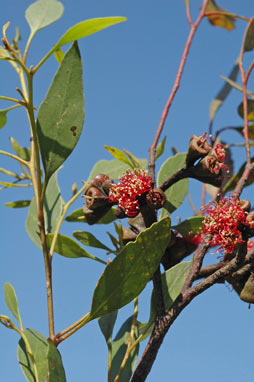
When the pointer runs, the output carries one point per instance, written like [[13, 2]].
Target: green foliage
[[250, 105], [53, 206], [248, 41], [18, 204], [160, 148], [90, 240], [55, 364], [61, 114], [3, 117], [172, 283], [75, 216], [106, 324], [231, 184], [113, 168], [43, 13], [86, 28], [39, 347], [119, 154], [189, 226], [127, 275], [11, 301], [22, 152], [67, 247], [119, 346], [175, 195]]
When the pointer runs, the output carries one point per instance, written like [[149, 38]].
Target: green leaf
[[118, 154], [22, 152], [160, 148], [86, 28], [223, 93], [55, 364], [39, 348], [11, 301], [233, 84], [250, 130], [222, 20], [191, 225], [53, 206], [89, 239], [250, 104], [18, 204], [248, 41], [127, 275], [172, 283], [59, 55], [43, 13], [61, 114], [3, 117], [175, 195], [67, 247], [106, 324], [231, 184], [113, 168], [119, 347], [136, 163], [106, 219]]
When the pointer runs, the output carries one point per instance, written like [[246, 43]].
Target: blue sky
[[129, 70]]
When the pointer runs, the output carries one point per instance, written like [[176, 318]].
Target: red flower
[[223, 221], [126, 193], [220, 152]]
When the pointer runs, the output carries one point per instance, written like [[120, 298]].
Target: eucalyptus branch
[[161, 326], [20, 160], [13, 100], [130, 339], [174, 89], [66, 333], [60, 221]]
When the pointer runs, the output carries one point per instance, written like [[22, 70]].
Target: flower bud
[[155, 198], [198, 148], [102, 182], [95, 198]]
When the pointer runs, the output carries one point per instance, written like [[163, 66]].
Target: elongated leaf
[[67, 247], [53, 206], [86, 28], [8, 184], [236, 86], [18, 204], [106, 324], [22, 152], [89, 239], [118, 154], [39, 347], [172, 283], [106, 219], [223, 93], [59, 55], [248, 40], [127, 275], [113, 168], [191, 225], [43, 13], [160, 148], [136, 163], [175, 195], [61, 114], [119, 347], [231, 184], [222, 20], [250, 104], [11, 300], [55, 364], [3, 117]]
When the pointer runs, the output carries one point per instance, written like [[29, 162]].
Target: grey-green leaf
[[106, 324], [53, 206], [55, 364], [67, 247], [160, 148], [249, 37], [43, 13], [119, 347], [90, 240], [189, 226], [22, 152], [61, 114], [127, 275], [175, 194], [39, 348], [113, 168], [86, 28], [11, 300]]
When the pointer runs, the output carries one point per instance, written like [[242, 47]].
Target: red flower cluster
[[223, 222], [126, 193], [216, 158]]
